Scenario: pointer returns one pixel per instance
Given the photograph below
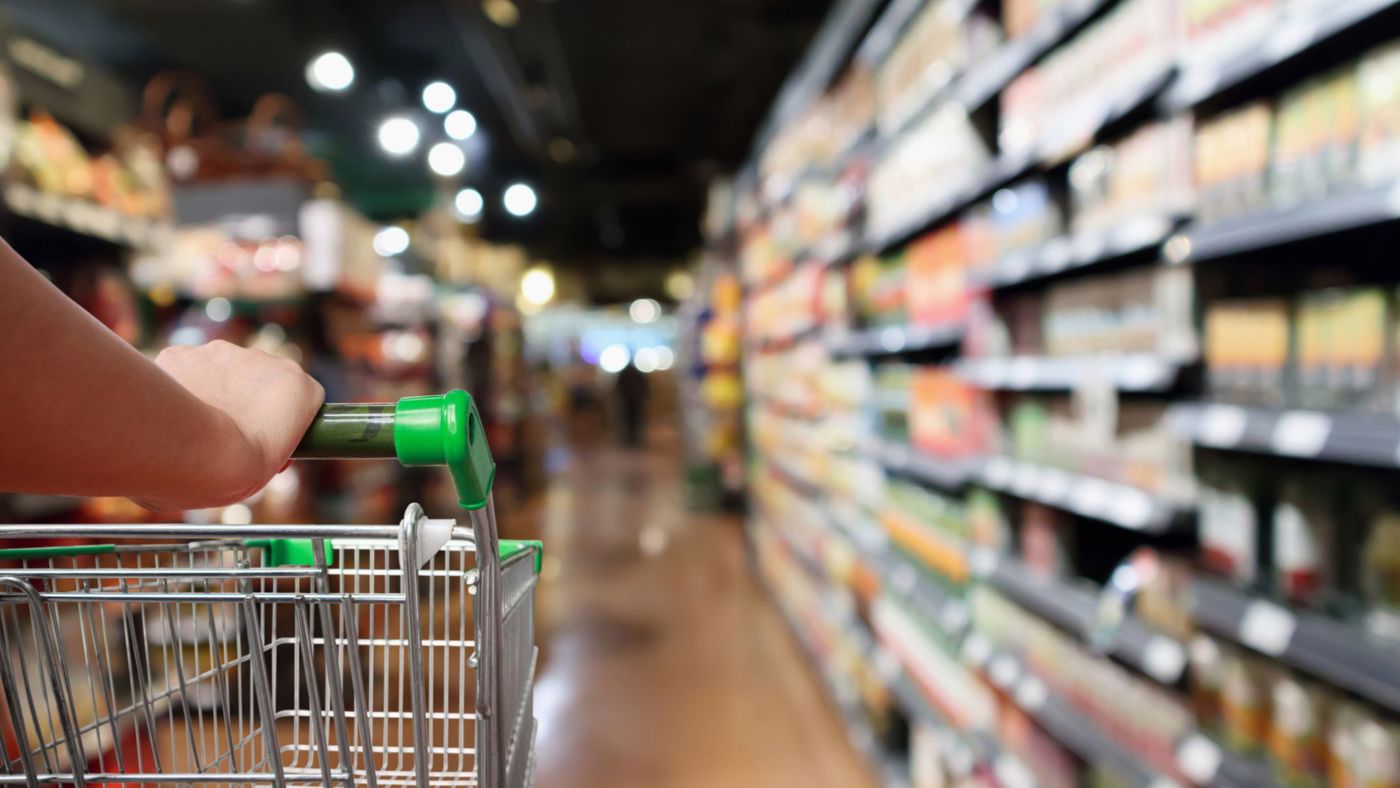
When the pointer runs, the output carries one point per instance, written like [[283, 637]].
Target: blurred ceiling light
[[502, 12], [446, 159], [218, 309], [537, 285], [330, 72], [520, 200], [614, 358], [390, 241], [398, 136], [459, 124], [439, 97], [665, 357], [562, 150], [644, 310], [645, 360], [679, 285], [469, 204], [237, 514]]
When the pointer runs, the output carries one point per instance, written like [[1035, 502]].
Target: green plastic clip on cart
[[310, 654]]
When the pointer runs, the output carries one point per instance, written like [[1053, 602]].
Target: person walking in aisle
[[84, 413], [632, 390]]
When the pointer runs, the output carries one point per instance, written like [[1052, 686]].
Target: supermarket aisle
[[665, 663]]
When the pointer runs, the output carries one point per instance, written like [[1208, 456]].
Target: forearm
[[83, 413]]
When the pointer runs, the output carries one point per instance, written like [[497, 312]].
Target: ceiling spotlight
[[390, 241], [502, 12], [537, 286], [330, 72], [646, 360], [439, 97], [644, 310], [459, 124], [398, 136], [665, 357], [520, 200], [446, 159], [469, 204], [614, 358]]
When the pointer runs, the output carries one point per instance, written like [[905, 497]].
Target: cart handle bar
[[443, 429]]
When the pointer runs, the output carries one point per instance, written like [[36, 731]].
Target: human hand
[[260, 407]]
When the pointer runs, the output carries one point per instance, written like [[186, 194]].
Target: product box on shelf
[[1219, 29], [938, 289], [938, 44], [1057, 105], [1315, 137], [1232, 162], [1142, 175], [934, 159], [1378, 157], [1247, 350], [948, 418]]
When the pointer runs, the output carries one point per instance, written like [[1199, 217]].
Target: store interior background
[[908, 392]]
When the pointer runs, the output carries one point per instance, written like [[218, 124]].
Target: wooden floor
[[664, 662]]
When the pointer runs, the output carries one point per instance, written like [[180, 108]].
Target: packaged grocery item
[[937, 157], [1046, 540], [51, 158], [926, 758], [1232, 161], [1144, 174], [1246, 350], [1378, 155], [986, 520], [1304, 538], [1164, 602], [1315, 137], [1207, 679], [1219, 28], [1341, 347], [1244, 700], [1363, 752], [938, 285], [1380, 574], [948, 417], [1297, 733], [1228, 523]]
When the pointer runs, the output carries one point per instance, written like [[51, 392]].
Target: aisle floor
[[664, 662]]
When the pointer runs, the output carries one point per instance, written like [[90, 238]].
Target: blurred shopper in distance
[[631, 390], [86, 414]]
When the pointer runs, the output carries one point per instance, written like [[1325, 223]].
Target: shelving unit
[[1010, 310]]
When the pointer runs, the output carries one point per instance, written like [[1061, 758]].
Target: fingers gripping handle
[[443, 429]]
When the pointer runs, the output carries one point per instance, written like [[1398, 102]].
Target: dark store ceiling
[[618, 111]]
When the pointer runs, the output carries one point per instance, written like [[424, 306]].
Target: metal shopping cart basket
[[279, 654]]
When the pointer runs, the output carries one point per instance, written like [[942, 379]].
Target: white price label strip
[[1267, 627], [1031, 694], [1301, 433], [1221, 426], [976, 650], [1164, 659], [1199, 759], [1003, 671]]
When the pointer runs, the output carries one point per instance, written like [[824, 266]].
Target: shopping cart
[[283, 654]]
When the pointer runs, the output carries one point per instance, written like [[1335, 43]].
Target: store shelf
[[1133, 372], [891, 340], [1352, 210], [1351, 437], [1073, 730], [1075, 609], [1293, 35], [1343, 655], [944, 473], [1119, 504], [1080, 250], [993, 176], [987, 79], [82, 217], [1204, 762], [1059, 145], [933, 605]]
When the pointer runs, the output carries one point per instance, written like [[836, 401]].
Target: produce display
[[1105, 492]]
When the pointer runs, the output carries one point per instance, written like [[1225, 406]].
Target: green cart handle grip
[[443, 429]]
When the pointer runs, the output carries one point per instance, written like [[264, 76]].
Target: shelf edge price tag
[[1199, 759], [1267, 627], [1301, 433]]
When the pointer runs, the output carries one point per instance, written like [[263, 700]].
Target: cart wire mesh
[[222, 661]]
